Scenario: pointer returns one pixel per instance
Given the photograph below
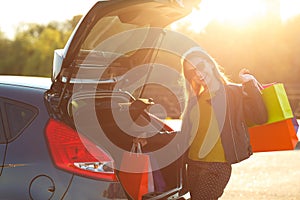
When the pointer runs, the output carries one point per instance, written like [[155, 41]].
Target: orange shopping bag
[[135, 173], [273, 137]]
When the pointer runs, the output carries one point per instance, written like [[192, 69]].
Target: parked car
[[27, 170], [63, 137]]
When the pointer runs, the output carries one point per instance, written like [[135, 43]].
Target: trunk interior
[[112, 120]]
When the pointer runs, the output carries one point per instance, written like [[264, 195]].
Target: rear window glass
[[19, 116]]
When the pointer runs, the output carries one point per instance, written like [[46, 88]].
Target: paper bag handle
[[136, 148]]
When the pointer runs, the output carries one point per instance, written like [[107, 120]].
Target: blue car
[[27, 169], [113, 87]]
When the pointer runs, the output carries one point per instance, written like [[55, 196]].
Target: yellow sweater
[[206, 146]]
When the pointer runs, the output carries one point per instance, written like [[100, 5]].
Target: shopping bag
[[135, 173], [273, 137], [158, 179], [295, 123], [277, 103]]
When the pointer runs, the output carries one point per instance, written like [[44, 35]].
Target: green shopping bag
[[277, 103]]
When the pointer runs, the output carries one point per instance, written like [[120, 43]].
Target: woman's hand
[[142, 141], [245, 75]]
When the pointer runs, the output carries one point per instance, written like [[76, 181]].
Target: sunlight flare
[[289, 9], [238, 13]]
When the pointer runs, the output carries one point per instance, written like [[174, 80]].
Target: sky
[[14, 12]]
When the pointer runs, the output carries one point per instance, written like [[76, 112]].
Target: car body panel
[[3, 144], [22, 155], [28, 167], [2, 156]]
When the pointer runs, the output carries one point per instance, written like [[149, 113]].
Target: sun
[[234, 11], [289, 9], [237, 12]]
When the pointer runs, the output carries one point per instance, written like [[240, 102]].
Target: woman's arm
[[254, 107]]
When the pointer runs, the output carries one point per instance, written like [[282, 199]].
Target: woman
[[216, 118]]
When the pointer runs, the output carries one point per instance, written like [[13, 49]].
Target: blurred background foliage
[[31, 51], [269, 48]]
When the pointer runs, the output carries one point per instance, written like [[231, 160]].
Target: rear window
[[18, 116], [107, 45]]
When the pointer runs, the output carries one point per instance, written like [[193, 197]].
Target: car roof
[[27, 81]]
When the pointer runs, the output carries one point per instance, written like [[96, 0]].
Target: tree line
[[31, 51], [268, 47]]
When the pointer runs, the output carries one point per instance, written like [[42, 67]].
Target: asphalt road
[[266, 176]]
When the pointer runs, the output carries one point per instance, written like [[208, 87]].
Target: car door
[[3, 142]]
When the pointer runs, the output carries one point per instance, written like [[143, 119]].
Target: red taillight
[[75, 153]]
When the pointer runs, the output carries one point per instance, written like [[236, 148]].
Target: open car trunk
[[114, 82], [112, 120], [121, 119]]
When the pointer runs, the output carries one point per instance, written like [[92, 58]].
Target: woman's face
[[200, 72]]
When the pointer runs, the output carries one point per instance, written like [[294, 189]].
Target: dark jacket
[[244, 106], [235, 107]]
